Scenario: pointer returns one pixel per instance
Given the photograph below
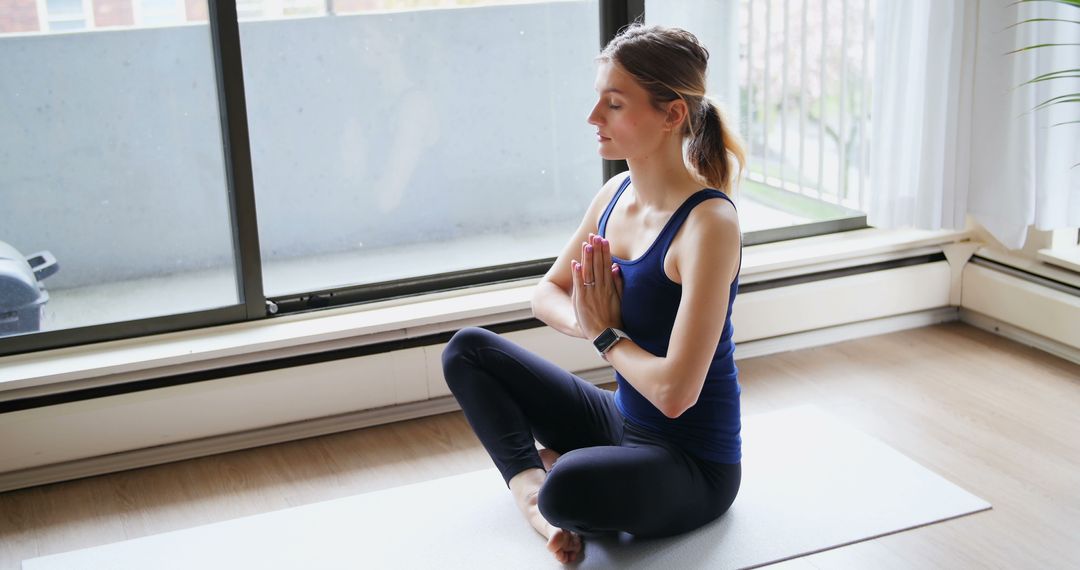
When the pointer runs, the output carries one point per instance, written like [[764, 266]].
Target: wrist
[[606, 339]]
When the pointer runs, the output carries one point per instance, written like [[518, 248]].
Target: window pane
[[115, 168], [394, 144], [161, 12], [795, 77], [64, 8]]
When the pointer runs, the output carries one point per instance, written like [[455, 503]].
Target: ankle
[[526, 484]]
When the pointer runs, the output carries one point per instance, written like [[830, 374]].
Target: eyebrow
[[612, 90]]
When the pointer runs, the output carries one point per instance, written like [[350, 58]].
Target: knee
[[461, 346], [565, 499]]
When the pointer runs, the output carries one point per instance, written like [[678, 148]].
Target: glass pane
[[795, 77], [161, 13], [64, 8], [393, 143], [114, 169]]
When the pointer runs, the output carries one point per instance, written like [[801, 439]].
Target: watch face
[[606, 339]]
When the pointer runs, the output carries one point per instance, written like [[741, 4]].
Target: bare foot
[[565, 544], [525, 486], [548, 457]]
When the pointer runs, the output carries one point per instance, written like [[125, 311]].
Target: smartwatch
[[606, 340]]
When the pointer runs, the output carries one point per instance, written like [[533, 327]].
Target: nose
[[594, 117]]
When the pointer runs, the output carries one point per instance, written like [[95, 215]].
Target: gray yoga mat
[[810, 483]]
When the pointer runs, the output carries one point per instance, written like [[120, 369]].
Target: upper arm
[[559, 274], [708, 261]]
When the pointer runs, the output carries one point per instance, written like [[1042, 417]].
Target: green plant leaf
[[1067, 98], [1037, 46], [1073, 3], [1074, 76], [1044, 20], [1052, 73]]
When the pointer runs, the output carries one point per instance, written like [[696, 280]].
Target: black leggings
[[613, 475]]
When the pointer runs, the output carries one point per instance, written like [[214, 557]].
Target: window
[[796, 75], [117, 171], [66, 15], [160, 12], [389, 145], [395, 145]]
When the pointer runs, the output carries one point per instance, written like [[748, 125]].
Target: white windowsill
[[1042, 266], [1068, 258], [130, 359]]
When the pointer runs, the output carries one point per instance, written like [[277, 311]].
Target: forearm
[[652, 376], [552, 305]]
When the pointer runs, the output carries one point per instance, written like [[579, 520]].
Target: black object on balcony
[[22, 296]]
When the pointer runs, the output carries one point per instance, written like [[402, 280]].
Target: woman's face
[[627, 125]]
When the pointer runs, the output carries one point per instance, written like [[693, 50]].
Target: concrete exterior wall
[[366, 131]]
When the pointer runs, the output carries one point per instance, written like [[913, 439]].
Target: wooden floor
[[1000, 419]]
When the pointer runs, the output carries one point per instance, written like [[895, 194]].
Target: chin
[[609, 155]]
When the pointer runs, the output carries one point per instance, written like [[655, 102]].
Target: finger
[[599, 265], [575, 274], [588, 275], [616, 277]]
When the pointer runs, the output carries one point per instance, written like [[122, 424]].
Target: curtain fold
[[953, 130], [1022, 167], [923, 64]]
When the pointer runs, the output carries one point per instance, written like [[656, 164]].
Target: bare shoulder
[[714, 240], [715, 221]]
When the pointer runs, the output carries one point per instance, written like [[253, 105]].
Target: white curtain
[[953, 129], [1022, 170]]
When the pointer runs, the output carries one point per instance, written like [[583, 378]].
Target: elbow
[[677, 408], [534, 301]]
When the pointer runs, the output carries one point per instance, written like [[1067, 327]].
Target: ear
[[677, 114]]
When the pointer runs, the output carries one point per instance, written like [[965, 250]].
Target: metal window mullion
[[750, 98], [225, 32], [765, 90], [614, 14], [841, 175], [821, 104], [783, 98], [802, 102], [863, 110]]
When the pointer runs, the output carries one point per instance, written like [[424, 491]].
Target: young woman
[[649, 277]]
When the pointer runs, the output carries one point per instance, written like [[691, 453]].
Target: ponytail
[[714, 150]]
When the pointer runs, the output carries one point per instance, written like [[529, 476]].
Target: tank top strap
[[667, 235], [602, 225], [683, 212]]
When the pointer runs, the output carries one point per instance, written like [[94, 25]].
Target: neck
[[661, 179]]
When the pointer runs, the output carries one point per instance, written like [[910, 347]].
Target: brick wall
[[18, 16], [113, 13]]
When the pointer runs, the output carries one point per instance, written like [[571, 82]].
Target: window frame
[[253, 304], [45, 20]]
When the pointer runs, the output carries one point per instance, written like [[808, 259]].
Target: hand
[[597, 295]]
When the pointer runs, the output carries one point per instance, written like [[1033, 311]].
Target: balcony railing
[[805, 84]]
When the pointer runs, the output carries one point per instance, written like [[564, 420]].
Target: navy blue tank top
[[711, 428]]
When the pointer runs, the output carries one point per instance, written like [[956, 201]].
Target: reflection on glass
[[796, 77], [113, 196], [395, 144]]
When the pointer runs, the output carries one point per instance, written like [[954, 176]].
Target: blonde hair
[[670, 64]]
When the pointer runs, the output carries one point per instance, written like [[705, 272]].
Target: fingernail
[[588, 249]]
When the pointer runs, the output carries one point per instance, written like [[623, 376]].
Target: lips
[[601, 137]]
